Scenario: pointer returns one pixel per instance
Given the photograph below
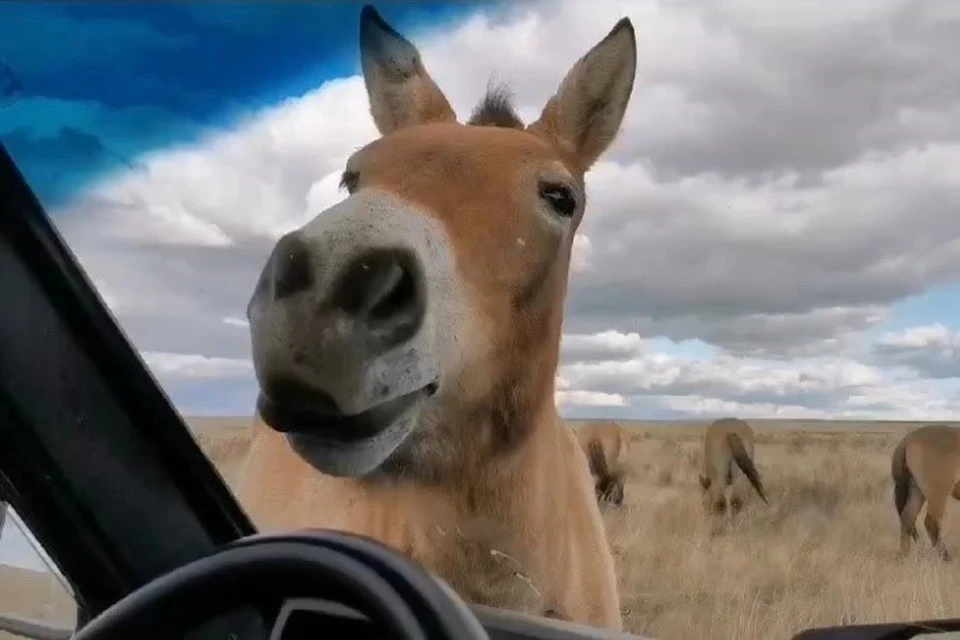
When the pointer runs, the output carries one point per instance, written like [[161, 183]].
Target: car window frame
[[58, 479]]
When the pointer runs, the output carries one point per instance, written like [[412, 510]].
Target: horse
[[926, 469], [728, 457], [605, 445], [405, 341]]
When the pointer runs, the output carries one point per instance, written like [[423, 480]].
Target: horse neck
[[488, 486], [522, 425], [514, 479], [539, 446]]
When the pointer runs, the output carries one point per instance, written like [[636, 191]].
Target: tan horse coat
[[926, 469], [605, 445], [490, 489], [728, 462]]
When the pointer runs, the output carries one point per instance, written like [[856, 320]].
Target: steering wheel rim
[[400, 597]]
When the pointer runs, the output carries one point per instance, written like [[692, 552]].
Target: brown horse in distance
[[926, 469], [606, 445], [727, 460], [406, 340]]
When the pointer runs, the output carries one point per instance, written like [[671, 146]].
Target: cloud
[[655, 382], [701, 406], [606, 345], [589, 398], [737, 87], [713, 251], [820, 380], [204, 385], [932, 350], [191, 365], [767, 167], [782, 179], [236, 322]]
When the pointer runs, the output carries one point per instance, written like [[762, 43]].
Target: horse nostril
[[383, 288], [396, 293], [291, 266]]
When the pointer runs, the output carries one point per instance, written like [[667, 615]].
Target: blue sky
[[942, 303], [102, 83], [18, 550]]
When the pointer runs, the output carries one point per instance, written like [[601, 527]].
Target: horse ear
[[704, 482], [584, 115], [401, 92]]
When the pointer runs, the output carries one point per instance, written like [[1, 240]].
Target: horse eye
[[560, 198], [349, 181]]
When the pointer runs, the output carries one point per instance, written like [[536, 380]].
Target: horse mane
[[496, 109]]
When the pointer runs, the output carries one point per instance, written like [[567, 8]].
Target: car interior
[[97, 461]]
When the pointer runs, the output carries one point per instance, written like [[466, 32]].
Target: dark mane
[[496, 109]]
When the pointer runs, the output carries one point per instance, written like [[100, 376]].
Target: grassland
[[822, 553]]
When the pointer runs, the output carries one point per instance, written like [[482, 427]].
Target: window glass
[[33, 592], [772, 237]]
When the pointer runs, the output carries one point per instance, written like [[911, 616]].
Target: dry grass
[[31, 594], [227, 446], [823, 552]]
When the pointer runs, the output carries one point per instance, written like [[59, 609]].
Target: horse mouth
[[346, 445], [337, 426]]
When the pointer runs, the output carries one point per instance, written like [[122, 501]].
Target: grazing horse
[[926, 469], [606, 445], [727, 459], [406, 340]]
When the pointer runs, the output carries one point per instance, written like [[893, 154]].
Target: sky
[[19, 548], [775, 232]]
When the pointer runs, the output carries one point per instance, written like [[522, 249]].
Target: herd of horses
[[406, 342], [925, 468], [728, 463]]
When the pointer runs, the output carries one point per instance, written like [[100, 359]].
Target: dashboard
[[303, 619], [306, 619]]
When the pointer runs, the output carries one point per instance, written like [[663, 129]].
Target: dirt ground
[[822, 553]]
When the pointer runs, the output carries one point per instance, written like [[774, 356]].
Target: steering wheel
[[402, 599]]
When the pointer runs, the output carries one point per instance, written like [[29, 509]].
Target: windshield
[[772, 236]]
